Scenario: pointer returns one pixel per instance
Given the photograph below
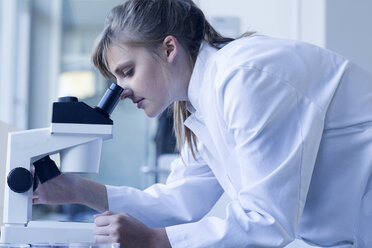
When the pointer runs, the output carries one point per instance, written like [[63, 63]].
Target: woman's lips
[[140, 102]]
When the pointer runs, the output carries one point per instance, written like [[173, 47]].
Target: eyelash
[[128, 73]]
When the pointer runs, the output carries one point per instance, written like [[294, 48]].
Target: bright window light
[[77, 83]]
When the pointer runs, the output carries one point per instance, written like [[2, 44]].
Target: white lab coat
[[285, 129]]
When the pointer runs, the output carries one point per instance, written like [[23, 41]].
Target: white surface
[[82, 129], [48, 232], [85, 158]]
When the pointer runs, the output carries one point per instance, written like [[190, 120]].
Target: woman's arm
[[159, 205], [189, 193], [68, 189], [93, 194]]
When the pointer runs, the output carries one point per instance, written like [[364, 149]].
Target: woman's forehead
[[115, 49], [124, 53], [117, 53]]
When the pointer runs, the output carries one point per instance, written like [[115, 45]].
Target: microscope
[[76, 133]]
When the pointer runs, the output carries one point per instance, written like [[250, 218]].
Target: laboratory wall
[[277, 18], [1, 40], [349, 32], [44, 57], [1, 23], [340, 25]]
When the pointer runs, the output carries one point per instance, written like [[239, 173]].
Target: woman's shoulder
[[256, 49], [284, 58]]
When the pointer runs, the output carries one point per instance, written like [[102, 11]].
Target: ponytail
[[180, 111]]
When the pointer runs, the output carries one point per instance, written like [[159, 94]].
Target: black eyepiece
[[110, 99]]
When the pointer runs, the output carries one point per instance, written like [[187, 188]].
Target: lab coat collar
[[196, 123], [205, 55]]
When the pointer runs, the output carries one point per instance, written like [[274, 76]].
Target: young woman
[[283, 127]]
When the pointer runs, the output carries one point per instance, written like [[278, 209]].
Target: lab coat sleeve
[[277, 131], [168, 204]]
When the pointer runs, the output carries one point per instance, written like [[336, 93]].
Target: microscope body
[[76, 133]]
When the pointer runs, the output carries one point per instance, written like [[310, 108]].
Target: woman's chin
[[154, 112]]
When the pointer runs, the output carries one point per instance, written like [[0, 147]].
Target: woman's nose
[[126, 93]]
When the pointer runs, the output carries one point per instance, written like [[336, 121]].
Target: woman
[[283, 127]]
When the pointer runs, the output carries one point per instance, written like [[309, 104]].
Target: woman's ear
[[170, 48]]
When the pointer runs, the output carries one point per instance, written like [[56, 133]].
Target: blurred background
[[45, 50]]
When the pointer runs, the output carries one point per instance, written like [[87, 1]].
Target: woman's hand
[[59, 190], [129, 232], [69, 188]]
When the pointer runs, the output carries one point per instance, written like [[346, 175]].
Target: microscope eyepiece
[[110, 99]]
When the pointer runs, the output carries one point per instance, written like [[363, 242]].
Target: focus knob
[[20, 180]]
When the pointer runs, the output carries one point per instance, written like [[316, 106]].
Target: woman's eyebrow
[[122, 66]]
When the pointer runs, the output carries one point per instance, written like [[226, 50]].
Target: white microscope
[[76, 133]]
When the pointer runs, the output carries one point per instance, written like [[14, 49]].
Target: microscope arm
[[79, 152]]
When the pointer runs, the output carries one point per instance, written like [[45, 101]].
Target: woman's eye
[[128, 73]]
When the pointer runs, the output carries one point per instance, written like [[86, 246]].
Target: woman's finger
[[102, 230], [106, 213], [104, 239], [36, 200], [103, 220]]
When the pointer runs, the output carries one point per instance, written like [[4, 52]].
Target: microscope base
[[48, 232]]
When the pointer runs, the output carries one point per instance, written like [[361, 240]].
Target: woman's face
[[142, 75]]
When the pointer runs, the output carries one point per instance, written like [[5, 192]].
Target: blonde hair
[[146, 23]]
